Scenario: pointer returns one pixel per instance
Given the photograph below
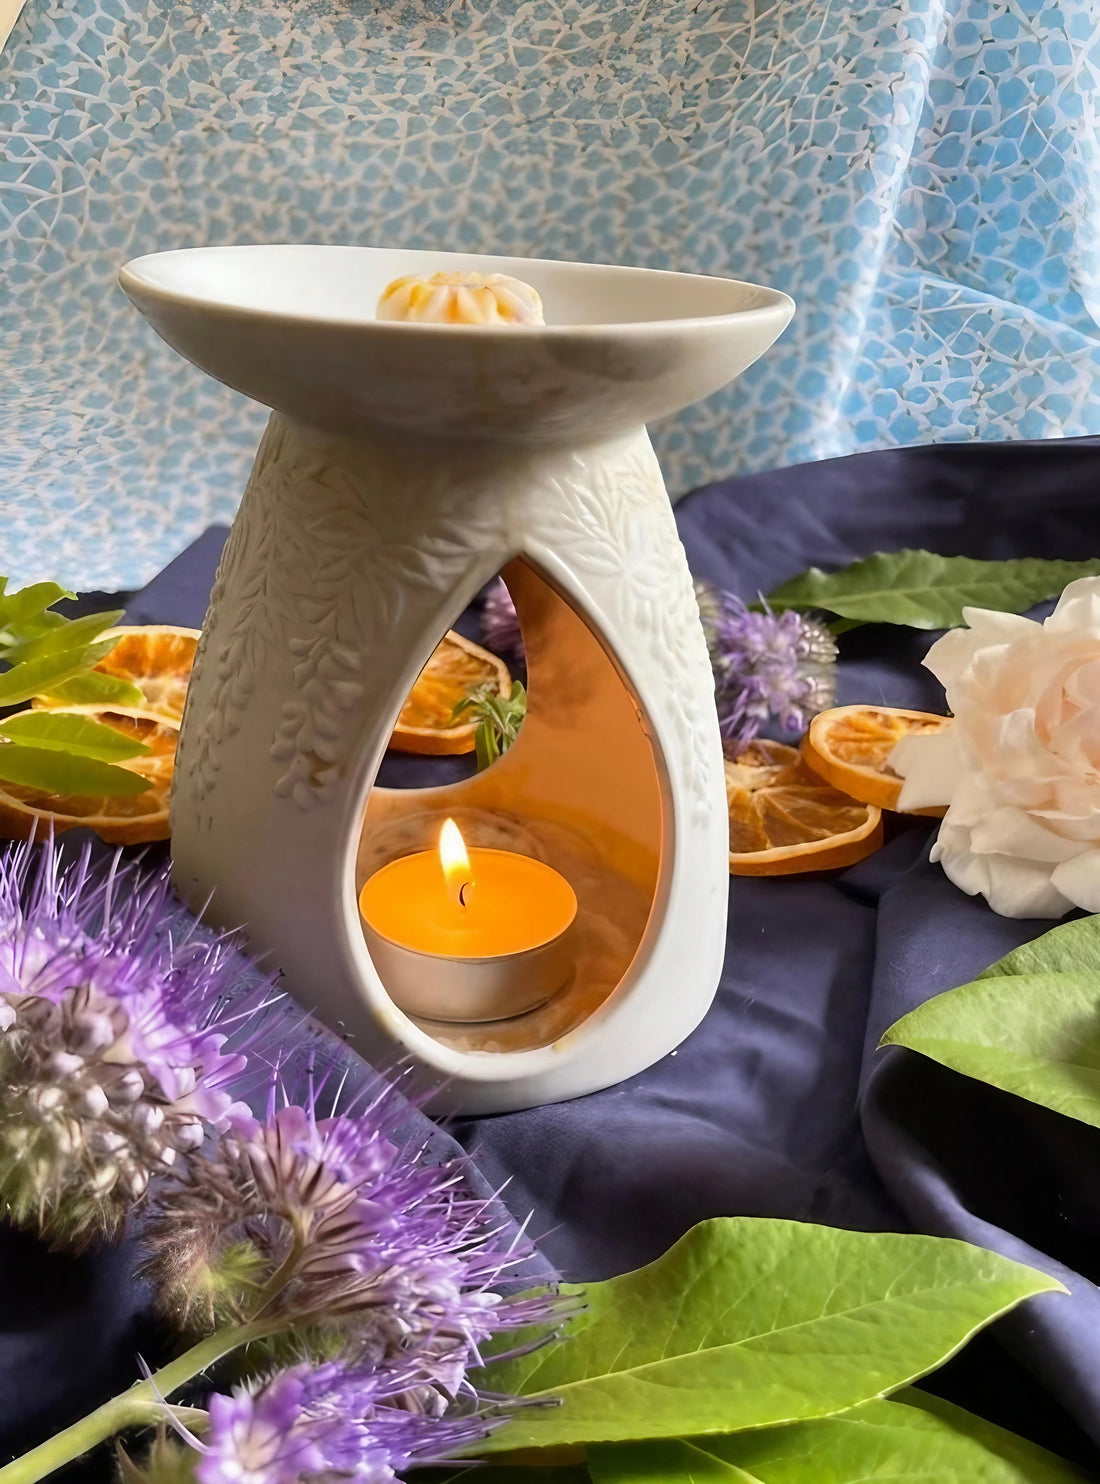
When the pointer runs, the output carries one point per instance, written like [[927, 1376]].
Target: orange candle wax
[[515, 904], [469, 936]]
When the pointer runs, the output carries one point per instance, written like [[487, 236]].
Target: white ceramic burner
[[403, 467]]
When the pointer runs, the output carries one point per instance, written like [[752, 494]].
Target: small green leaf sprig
[[43, 653], [498, 718]]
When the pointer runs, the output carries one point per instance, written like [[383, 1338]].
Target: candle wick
[[463, 891]]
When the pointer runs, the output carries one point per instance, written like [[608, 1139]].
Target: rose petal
[[1076, 816], [974, 797], [932, 766], [1078, 610], [1013, 888], [1006, 677], [1010, 745], [1083, 686], [950, 656], [1079, 880], [1077, 744], [1059, 686], [1013, 832]]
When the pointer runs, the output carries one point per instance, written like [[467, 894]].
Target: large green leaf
[[1071, 947], [96, 689], [925, 591], [1030, 1025], [61, 773], [748, 1323], [66, 731], [40, 677], [915, 1437], [59, 637]]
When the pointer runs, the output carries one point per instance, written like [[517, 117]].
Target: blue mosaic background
[[921, 176]]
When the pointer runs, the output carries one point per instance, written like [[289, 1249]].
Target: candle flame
[[455, 862]]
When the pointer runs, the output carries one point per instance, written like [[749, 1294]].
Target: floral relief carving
[[309, 737], [330, 544], [229, 652], [335, 541], [615, 524]]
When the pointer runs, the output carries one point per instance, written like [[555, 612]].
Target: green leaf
[[748, 1323], [40, 677], [505, 1473], [915, 1437], [61, 773], [62, 731], [95, 689], [925, 591], [63, 636], [29, 602], [30, 628], [1030, 1025], [498, 718], [1070, 948]]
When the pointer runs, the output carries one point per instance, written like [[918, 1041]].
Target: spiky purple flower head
[[315, 1424], [500, 623], [337, 1227], [767, 665], [113, 1034]]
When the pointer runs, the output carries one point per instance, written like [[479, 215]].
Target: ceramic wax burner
[[403, 467]]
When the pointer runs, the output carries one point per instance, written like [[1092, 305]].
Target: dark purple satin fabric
[[779, 1103]]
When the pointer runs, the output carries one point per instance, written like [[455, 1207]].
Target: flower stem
[[141, 1405]]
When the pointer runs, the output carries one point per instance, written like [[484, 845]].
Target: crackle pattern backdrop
[[921, 176]]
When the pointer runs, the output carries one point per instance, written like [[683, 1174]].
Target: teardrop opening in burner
[[467, 705], [583, 789]]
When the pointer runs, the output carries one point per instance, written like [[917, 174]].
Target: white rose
[[1019, 766]]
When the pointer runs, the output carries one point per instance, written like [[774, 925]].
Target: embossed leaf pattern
[[614, 525], [326, 550]]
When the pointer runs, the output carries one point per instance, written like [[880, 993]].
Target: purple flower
[[500, 624], [333, 1223], [324, 1423], [113, 1036], [768, 665]]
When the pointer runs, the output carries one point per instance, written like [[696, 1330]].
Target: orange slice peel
[[131, 820], [157, 658], [427, 723], [850, 747], [785, 821]]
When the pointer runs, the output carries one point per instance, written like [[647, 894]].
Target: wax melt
[[461, 299]]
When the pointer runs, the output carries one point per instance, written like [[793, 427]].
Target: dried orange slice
[[122, 821], [849, 747], [784, 820], [455, 669], [157, 658]]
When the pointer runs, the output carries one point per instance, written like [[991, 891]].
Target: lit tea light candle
[[468, 935]]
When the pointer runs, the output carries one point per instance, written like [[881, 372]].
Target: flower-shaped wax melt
[[461, 299]]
